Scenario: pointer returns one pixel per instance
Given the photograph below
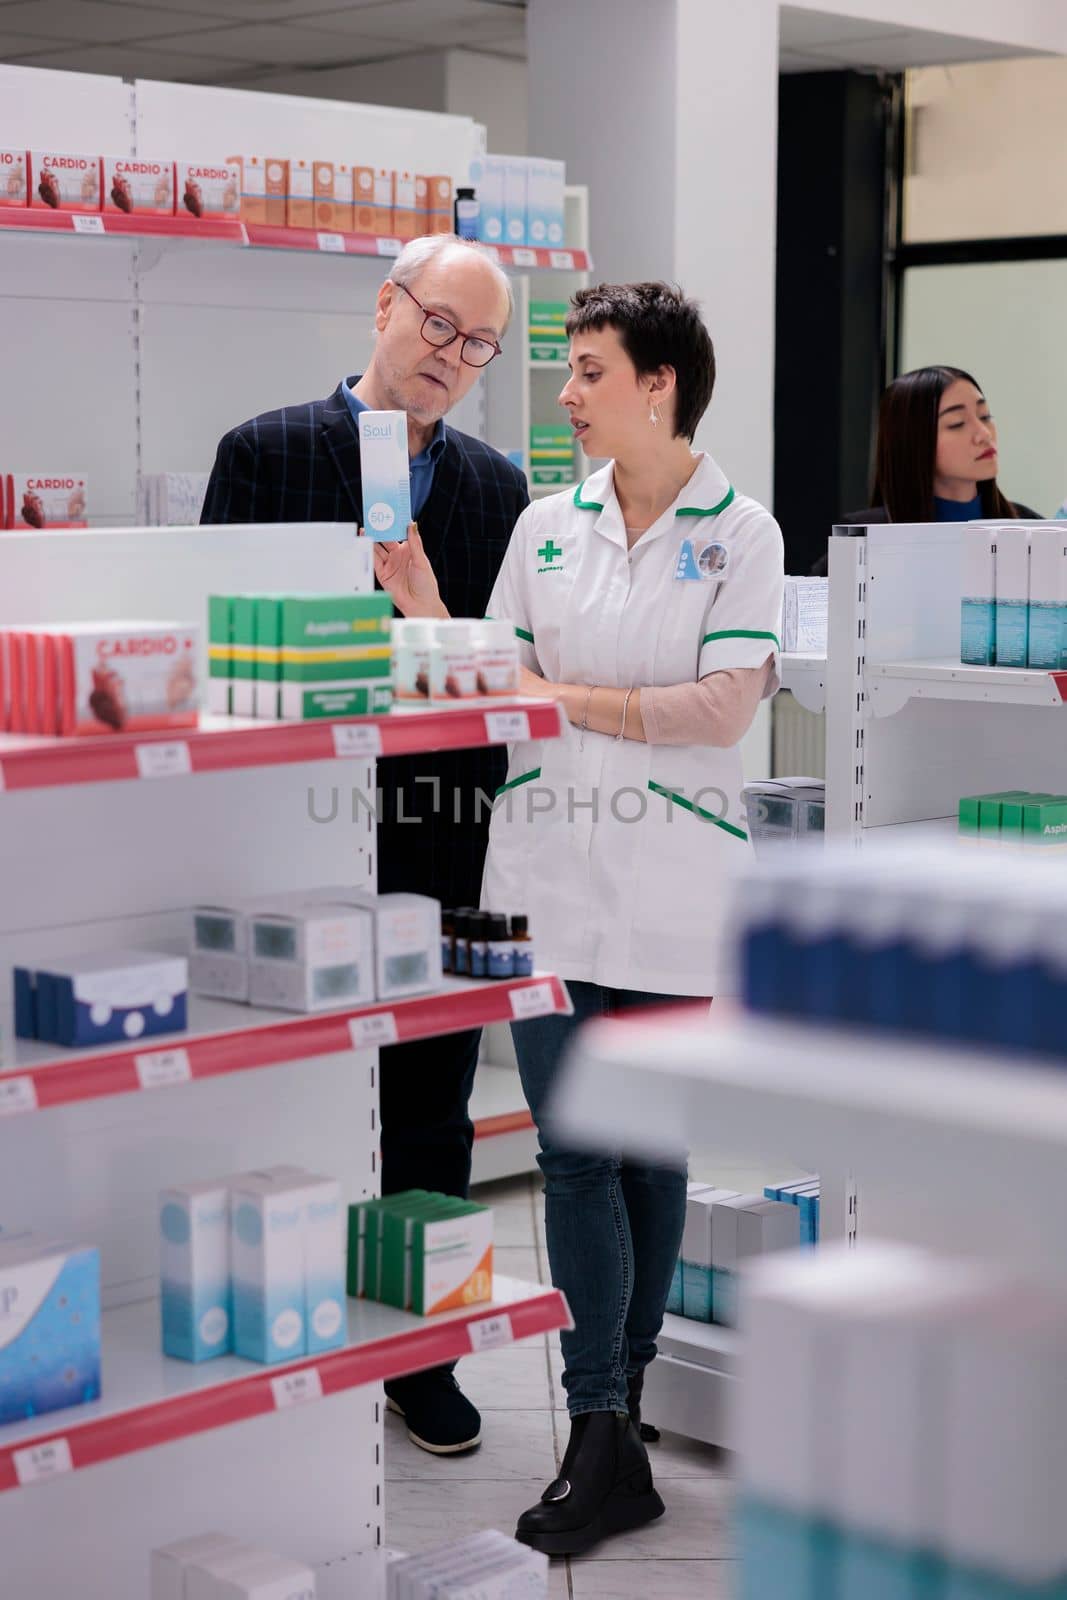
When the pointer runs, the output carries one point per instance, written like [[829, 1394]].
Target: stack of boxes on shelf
[[783, 809], [725, 1230], [99, 677], [548, 340], [1014, 604], [298, 192], [212, 1566], [49, 1325], [805, 615], [104, 997], [1015, 817], [171, 499], [901, 1426], [520, 199], [300, 657], [962, 947], [420, 1252], [43, 500], [253, 1264], [551, 455], [316, 950]]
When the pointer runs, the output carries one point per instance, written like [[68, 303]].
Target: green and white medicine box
[[219, 654]]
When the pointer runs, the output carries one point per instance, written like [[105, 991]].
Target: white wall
[[986, 145], [417, 81], [492, 90], [1019, 24]]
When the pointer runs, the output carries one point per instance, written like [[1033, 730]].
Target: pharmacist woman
[[647, 602]]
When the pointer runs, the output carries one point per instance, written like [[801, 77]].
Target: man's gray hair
[[418, 253]]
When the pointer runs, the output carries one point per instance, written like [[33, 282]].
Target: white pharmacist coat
[[622, 852]]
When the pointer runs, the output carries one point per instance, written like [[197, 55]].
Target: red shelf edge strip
[[273, 1044], [105, 760], [166, 1421]]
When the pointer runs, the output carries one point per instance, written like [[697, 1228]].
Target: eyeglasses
[[440, 333]]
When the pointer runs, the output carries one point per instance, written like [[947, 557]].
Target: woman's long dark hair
[[907, 448]]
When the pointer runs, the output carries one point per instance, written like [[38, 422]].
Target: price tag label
[[523, 257], [296, 1388], [389, 247], [17, 1095], [489, 1333], [536, 1001], [562, 260], [492, 252], [166, 760], [371, 1033], [88, 224], [507, 727], [333, 243], [39, 1462], [357, 739], [158, 1069]]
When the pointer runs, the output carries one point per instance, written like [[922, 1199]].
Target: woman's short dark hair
[[658, 327], [907, 448]]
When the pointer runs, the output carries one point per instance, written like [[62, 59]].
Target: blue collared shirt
[[423, 465]]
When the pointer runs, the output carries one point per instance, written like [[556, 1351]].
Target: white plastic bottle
[[498, 658], [454, 666], [414, 647]]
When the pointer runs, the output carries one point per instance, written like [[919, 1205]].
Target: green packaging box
[[550, 354], [558, 475], [220, 653], [335, 636], [437, 1256], [972, 816], [362, 1227], [243, 672], [549, 313], [1045, 822], [307, 702], [1011, 814]]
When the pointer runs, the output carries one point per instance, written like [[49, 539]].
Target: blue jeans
[[614, 1227]]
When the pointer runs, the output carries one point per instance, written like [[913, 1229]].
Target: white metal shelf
[[954, 1148], [149, 1400], [804, 675], [891, 684]]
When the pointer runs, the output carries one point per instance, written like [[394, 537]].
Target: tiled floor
[[685, 1555]]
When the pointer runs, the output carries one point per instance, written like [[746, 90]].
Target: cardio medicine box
[[386, 474], [127, 676], [139, 188], [43, 500], [208, 191], [194, 1231], [49, 1327], [60, 182], [14, 177]]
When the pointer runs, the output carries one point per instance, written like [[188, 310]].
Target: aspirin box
[[139, 188], [209, 190], [14, 178], [117, 677], [45, 500], [60, 182]]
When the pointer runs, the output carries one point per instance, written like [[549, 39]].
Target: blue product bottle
[[468, 214], [522, 950], [500, 961], [448, 936], [461, 955], [477, 924]]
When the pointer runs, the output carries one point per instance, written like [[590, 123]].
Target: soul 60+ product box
[[385, 468], [49, 1327]]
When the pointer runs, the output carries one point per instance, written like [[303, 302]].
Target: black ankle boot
[[604, 1487], [649, 1434]]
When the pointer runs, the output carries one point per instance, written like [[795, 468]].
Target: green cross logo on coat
[[549, 551]]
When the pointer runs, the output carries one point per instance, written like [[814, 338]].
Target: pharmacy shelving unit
[[804, 675], [909, 729], [520, 392], [956, 1150], [105, 842], [181, 328]]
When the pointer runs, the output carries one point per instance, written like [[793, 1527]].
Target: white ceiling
[[246, 41], [817, 41], [251, 41]]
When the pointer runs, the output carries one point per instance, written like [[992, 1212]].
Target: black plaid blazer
[[301, 464]]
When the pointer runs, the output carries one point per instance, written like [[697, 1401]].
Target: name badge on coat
[[701, 563]]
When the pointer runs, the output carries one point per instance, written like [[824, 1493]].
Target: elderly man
[[440, 317]]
